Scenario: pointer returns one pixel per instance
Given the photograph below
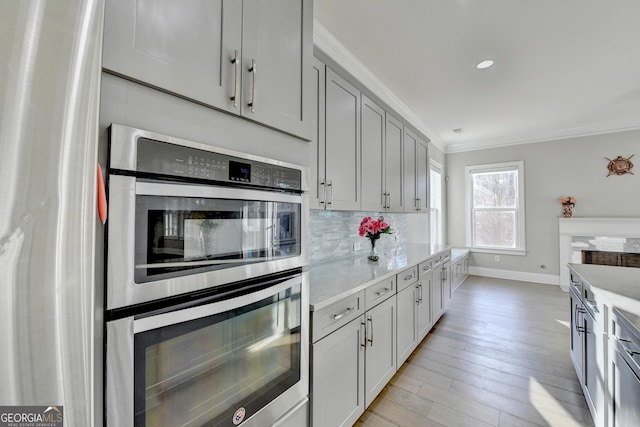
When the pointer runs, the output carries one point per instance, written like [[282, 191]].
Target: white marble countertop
[[458, 253], [333, 280], [619, 287]]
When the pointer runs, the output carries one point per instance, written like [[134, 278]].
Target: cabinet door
[[436, 295], [422, 175], [342, 137], [380, 356], [393, 164], [406, 301], [373, 135], [277, 58], [577, 332], [316, 147], [423, 309], [409, 165], [446, 284], [594, 365], [337, 385], [182, 50]]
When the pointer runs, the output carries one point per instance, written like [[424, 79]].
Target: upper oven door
[[166, 239]]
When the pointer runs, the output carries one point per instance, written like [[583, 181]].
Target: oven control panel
[[156, 157]]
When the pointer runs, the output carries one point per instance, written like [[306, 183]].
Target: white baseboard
[[547, 279]]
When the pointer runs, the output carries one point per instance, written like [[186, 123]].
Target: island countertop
[[333, 280], [619, 287]]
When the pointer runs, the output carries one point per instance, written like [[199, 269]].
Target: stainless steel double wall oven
[[206, 286]]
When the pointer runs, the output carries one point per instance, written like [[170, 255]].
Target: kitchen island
[[366, 319], [605, 340]]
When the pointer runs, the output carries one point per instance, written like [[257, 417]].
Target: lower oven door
[[240, 361]]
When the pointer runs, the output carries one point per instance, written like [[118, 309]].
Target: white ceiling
[[562, 67]]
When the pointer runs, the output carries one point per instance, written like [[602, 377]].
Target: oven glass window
[[203, 371], [175, 235]]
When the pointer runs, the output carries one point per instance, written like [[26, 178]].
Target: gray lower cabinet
[[414, 318], [350, 366], [414, 315], [380, 354], [437, 301], [459, 272], [337, 385], [251, 58]]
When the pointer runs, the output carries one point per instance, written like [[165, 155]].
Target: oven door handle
[[212, 192], [179, 316]]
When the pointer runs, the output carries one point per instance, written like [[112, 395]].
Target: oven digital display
[[239, 171]]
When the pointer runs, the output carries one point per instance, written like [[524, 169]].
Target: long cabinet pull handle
[[420, 293], [330, 184], [363, 344], [254, 72], [370, 320], [344, 313], [409, 278], [236, 65]]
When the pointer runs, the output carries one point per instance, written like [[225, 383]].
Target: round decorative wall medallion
[[620, 165]]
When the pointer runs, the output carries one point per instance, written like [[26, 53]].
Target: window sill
[[517, 252]]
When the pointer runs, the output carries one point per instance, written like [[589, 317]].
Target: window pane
[[495, 189], [494, 228]]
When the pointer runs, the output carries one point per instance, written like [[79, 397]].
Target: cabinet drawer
[[425, 266], [407, 277], [379, 292], [328, 319]]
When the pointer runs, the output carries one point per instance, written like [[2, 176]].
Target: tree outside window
[[495, 203]]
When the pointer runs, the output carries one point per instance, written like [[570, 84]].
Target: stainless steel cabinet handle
[[420, 293], [409, 278], [370, 320], [344, 313], [594, 305], [363, 344], [382, 292], [236, 64], [330, 184], [418, 204], [324, 193], [254, 73]]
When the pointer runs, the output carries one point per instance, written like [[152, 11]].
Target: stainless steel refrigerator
[[50, 298]]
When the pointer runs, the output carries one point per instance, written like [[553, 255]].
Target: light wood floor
[[499, 356]]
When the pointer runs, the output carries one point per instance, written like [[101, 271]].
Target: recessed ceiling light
[[459, 130], [485, 63]]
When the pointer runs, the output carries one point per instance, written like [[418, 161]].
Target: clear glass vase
[[373, 253]]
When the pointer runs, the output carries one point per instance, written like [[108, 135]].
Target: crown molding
[[334, 49], [542, 137]]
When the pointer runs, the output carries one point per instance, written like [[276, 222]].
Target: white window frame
[[434, 215], [518, 166]]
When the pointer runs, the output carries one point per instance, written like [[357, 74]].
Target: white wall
[[569, 167]]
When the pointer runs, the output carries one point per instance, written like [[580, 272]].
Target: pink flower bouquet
[[373, 228]]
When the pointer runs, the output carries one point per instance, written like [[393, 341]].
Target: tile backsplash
[[334, 233]]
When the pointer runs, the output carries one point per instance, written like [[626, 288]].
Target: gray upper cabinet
[[341, 177], [410, 142], [373, 142], [317, 146], [393, 164], [277, 53], [422, 175], [251, 58]]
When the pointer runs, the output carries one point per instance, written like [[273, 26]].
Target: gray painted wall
[[575, 167]]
